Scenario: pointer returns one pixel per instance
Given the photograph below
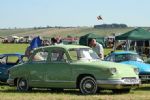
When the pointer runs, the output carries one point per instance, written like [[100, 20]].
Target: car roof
[[12, 54], [67, 47], [124, 52]]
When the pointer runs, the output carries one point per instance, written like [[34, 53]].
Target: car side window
[[40, 56], [58, 56], [119, 58], [107, 58], [73, 54], [110, 58], [12, 59]]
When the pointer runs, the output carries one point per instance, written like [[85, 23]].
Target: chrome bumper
[[119, 81], [10, 82]]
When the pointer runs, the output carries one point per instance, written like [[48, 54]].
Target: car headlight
[[136, 70], [113, 71]]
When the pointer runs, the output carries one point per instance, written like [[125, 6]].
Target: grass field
[[13, 48], [20, 48], [10, 93]]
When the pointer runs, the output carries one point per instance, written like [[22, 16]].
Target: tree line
[[111, 26]]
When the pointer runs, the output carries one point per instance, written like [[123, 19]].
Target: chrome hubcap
[[22, 83], [88, 85]]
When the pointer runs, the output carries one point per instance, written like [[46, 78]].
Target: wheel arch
[[17, 78], [15, 81], [82, 76]]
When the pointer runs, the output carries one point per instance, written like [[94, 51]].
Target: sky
[[35, 13]]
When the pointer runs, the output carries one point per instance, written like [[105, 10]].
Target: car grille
[[145, 73], [146, 77]]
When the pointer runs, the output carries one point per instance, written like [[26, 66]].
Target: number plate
[[131, 81]]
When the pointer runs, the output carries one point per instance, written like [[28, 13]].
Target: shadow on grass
[[66, 91], [7, 89], [143, 89], [42, 91]]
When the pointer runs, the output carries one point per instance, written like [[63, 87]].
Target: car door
[[58, 73], [36, 68]]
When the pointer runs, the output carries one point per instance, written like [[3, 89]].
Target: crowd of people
[[38, 42]]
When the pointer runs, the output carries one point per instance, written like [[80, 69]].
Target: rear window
[[58, 56], [73, 54], [40, 56]]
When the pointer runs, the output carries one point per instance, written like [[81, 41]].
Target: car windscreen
[[12, 59], [127, 57], [2, 59], [83, 54]]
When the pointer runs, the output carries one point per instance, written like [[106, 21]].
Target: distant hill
[[64, 32]]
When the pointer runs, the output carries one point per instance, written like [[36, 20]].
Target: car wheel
[[118, 91], [88, 85], [22, 85]]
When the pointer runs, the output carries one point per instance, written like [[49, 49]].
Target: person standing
[[53, 41], [98, 48]]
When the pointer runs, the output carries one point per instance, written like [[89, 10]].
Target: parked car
[[147, 61], [6, 62], [131, 58], [72, 67]]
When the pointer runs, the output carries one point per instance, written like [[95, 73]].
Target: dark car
[[7, 61]]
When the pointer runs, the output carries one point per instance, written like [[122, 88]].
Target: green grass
[[20, 48], [13, 48], [10, 93]]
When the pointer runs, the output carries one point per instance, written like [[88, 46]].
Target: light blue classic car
[[131, 58]]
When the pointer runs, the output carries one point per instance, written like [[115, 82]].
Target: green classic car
[[72, 67]]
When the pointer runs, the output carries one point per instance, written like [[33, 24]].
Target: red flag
[[99, 18]]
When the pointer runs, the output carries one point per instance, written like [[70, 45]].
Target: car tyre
[[88, 85], [22, 85]]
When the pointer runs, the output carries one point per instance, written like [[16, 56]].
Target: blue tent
[[35, 43]]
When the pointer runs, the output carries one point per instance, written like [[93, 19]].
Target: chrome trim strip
[[54, 81], [35, 80], [63, 81]]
